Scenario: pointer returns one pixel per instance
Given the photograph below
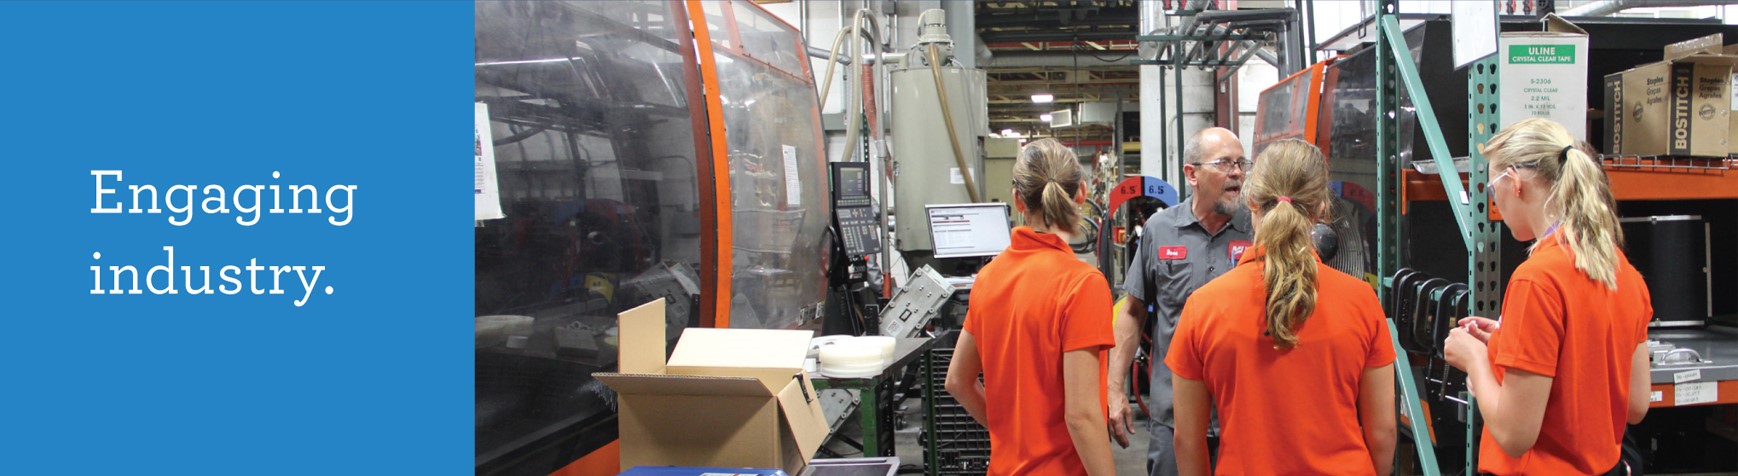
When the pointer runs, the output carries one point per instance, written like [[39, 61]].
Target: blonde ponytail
[[1058, 208], [1580, 195], [1290, 185], [1290, 271], [1046, 178], [1583, 199]]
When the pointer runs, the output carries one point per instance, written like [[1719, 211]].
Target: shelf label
[[1687, 376], [1694, 393], [1656, 396]]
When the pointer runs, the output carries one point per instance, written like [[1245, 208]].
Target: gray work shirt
[[1178, 256]]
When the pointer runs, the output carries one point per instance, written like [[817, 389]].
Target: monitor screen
[[850, 179], [978, 229]]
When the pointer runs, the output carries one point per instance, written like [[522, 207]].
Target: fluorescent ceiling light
[[1044, 117], [1042, 98]]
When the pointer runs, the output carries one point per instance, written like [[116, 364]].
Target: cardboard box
[[1732, 123], [726, 397], [1732, 129], [1681, 107], [1705, 45], [1613, 119], [1542, 75]]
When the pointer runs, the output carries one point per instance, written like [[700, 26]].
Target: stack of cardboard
[[1681, 106], [726, 397]]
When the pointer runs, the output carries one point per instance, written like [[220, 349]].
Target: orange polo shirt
[[1031, 304], [1559, 323], [1284, 411]]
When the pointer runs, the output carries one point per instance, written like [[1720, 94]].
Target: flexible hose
[[833, 57], [832, 60], [854, 120], [947, 117]]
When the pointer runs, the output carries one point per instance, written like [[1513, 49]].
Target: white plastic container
[[886, 345], [851, 358]]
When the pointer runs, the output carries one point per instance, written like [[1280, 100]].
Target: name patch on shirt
[[1169, 253], [1236, 249]]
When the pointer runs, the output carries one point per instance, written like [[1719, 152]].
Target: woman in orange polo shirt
[[1566, 365], [1294, 354], [1037, 329]]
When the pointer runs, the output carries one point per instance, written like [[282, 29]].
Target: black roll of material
[[1671, 254]]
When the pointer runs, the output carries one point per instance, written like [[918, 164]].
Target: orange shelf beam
[[1637, 179], [1655, 179]]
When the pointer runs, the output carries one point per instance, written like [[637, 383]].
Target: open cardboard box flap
[[1554, 27], [1705, 45], [1556, 24], [804, 418]]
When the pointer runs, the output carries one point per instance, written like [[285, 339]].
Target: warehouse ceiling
[[1077, 51]]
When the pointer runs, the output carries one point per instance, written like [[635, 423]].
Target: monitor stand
[[961, 267]]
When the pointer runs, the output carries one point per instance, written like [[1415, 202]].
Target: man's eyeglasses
[[1227, 165]]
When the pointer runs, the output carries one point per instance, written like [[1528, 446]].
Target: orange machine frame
[[1311, 93], [715, 214], [715, 259]]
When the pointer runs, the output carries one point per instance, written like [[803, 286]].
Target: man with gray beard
[[1182, 248]]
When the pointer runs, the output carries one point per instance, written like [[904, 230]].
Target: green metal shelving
[[1395, 70]]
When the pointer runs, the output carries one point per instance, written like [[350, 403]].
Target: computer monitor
[[850, 180], [968, 230]]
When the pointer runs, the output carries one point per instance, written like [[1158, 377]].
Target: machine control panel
[[854, 210], [857, 230]]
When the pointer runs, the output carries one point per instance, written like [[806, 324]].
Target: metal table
[[877, 412], [1719, 351]]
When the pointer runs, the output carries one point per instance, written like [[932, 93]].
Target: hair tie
[[1284, 199], [1563, 155]]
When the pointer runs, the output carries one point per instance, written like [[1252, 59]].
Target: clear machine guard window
[[961, 231]]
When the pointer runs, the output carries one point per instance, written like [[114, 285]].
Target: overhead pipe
[[1607, 7], [1015, 37], [981, 50], [1260, 52], [962, 28], [828, 54], [1221, 29], [1189, 22], [1187, 26], [1238, 19], [1058, 59]]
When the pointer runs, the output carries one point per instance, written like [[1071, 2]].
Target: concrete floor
[[1129, 461]]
